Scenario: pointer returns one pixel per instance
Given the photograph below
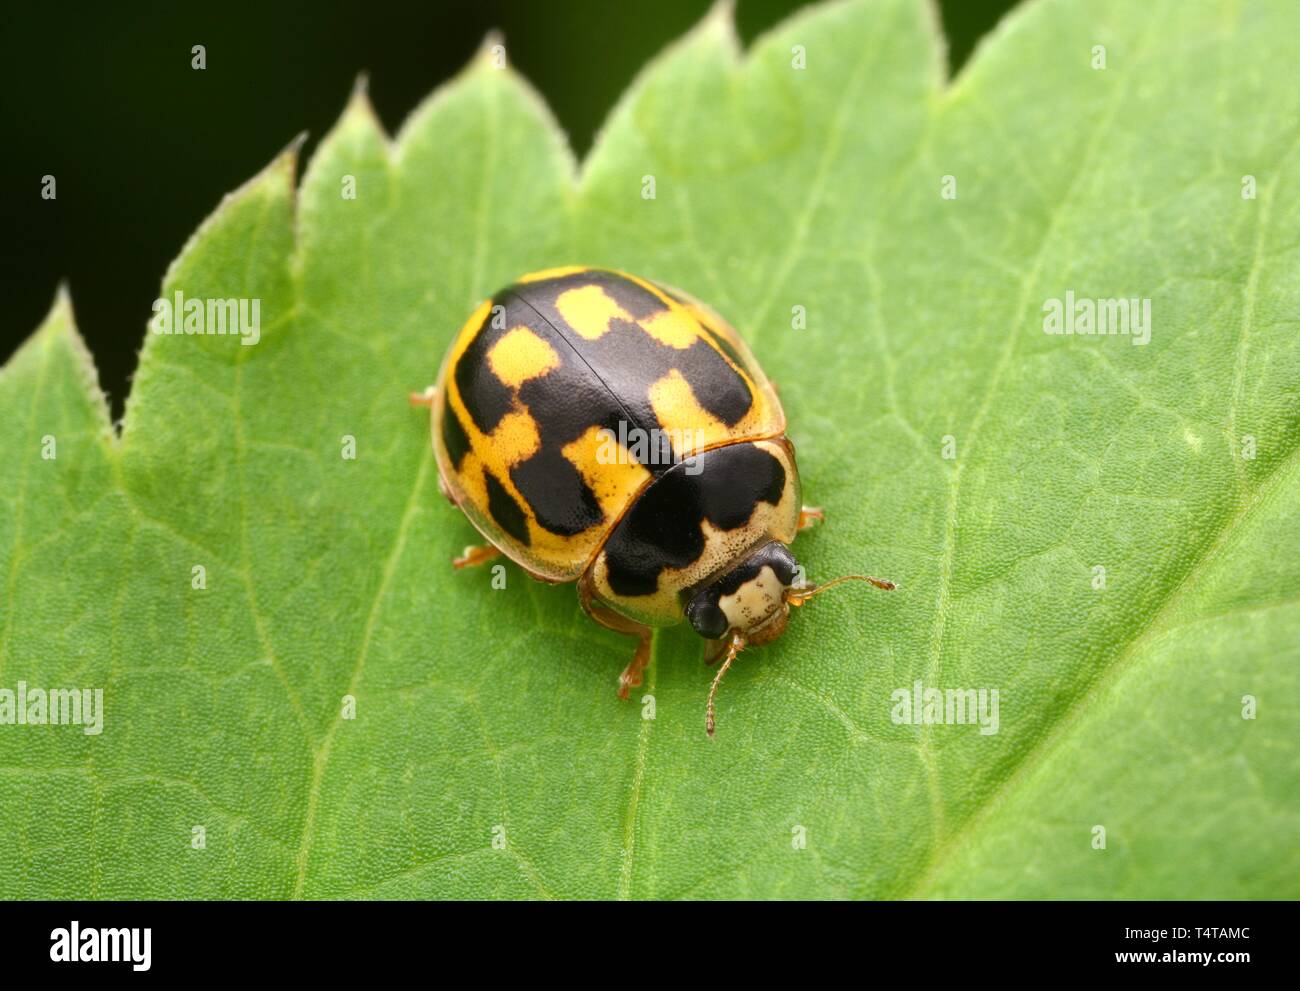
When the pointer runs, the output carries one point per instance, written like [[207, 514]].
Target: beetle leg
[[474, 555], [810, 515], [606, 617], [425, 398], [631, 675]]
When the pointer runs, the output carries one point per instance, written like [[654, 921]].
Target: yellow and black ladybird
[[598, 427]]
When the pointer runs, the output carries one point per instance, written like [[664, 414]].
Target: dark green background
[[143, 147]]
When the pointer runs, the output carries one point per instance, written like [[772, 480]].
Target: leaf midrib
[[1216, 543], [1211, 545]]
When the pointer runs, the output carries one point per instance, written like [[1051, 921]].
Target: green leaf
[[487, 714]]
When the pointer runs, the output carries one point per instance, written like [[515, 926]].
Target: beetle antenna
[[797, 597], [735, 647]]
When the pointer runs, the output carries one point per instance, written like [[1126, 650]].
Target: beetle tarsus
[[631, 676]]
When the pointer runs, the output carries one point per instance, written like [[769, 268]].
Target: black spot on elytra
[[507, 513], [724, 343], [702, 316], [454, 438], [629, 361], [560, 498], [599, 383], [663, 528], [487, 399]]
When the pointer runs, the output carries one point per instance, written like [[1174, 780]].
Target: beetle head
[[749, 599], [750, 605]]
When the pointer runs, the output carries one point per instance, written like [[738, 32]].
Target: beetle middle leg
[[425, 399], [475, 554], [810, 516], [631, 676]]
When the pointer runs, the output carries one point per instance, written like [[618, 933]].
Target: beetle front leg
[[810, 516], [631, 676], [716, 650]]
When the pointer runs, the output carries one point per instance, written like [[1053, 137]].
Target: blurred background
[[143, 147]]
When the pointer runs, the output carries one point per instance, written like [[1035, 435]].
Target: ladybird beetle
[[601, 428]]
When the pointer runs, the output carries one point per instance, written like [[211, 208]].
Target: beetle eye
[[705, 615]]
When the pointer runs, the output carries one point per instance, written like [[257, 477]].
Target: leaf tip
[[722, 15], [491, 53], [720, 23], [62, 304], [359, 106], [489, 66], [288, 157], [59, 320], [942, 56], [59, 329], [275, 181]]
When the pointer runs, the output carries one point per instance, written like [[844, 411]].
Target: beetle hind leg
[[474, 555], [606, 617]]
